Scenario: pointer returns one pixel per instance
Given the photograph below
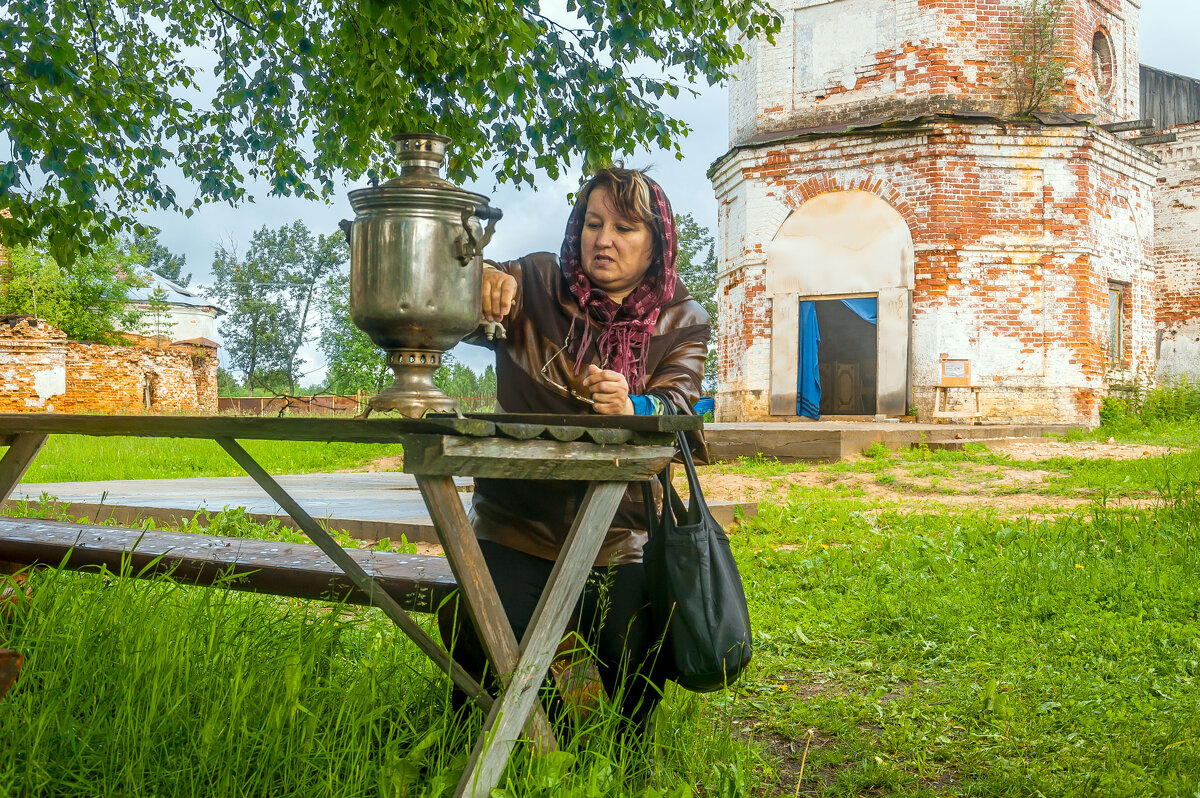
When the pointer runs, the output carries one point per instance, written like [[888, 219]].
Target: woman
[[608, 328]]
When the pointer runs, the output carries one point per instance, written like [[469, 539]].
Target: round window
[[1103, 64]]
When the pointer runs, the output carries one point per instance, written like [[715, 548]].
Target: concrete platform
[[367, 506], [830, 441]]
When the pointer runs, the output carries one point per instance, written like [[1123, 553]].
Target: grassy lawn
[[79, 458], [926, 623]]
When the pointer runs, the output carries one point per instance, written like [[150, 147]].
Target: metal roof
[[176, 294]]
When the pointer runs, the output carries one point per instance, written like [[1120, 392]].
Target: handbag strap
[[697, 507]]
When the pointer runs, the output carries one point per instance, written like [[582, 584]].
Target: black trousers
[[612, 617]]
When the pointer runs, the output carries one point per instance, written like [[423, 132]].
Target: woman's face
[[616, 251]]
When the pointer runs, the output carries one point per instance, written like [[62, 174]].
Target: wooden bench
[[419, 583]]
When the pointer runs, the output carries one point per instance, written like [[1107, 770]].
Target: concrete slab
[[830, 441], [366, 506]]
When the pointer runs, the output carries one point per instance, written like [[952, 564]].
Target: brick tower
[[877, 157]]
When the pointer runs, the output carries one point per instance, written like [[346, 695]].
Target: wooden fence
[[327, 404]]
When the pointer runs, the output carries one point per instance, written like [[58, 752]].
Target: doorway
[[838, 247], [839, 356], [847, 358]]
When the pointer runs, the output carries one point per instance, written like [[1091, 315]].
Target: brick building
[[42, 371], [874, 160], [1173, 102]]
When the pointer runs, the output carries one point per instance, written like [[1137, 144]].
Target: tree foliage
[[697, 267], [87, 302], [271, 297], [100, 97], [157, 258], [354, 363]]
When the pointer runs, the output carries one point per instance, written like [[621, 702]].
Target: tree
[[100, 97], [697, 267], [156, 319], [270, 295], [252, 328], [354, 362], [1037, 66], [87, 302], [157, 258]]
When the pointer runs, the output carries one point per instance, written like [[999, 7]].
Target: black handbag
[[696, 592]]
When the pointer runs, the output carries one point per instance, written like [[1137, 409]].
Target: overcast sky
[[1168, 36]]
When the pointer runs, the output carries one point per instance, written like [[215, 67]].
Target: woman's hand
[[498, 291], [610, 391]]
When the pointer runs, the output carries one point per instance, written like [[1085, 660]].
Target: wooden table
[[606, 451]]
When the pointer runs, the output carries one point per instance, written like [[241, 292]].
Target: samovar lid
[[420, 183]]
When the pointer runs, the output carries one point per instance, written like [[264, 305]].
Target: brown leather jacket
[[535, 516]]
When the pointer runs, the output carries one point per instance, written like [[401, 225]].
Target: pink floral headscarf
[[625, 327]]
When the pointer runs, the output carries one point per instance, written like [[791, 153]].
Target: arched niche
[[840, 244]]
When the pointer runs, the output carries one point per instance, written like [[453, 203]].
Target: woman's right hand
[[498, 292]]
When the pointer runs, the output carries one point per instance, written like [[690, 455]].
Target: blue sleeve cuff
[[646, 405]]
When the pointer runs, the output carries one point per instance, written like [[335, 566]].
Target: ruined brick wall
[[1017, 234], [838, 61], [33, 365], [41, 371], [1177, 254]]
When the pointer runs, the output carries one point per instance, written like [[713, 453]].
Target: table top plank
[[670, 424], [447, 455], [349, 430]]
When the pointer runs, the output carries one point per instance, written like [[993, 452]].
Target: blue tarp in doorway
[[808, 382]]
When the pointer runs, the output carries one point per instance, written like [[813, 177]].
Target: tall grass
[[136, 687], [81, 458]]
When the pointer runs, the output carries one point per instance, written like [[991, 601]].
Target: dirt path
[[953, 485], [961, 485]]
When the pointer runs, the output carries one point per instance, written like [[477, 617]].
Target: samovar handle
[[468, 245]]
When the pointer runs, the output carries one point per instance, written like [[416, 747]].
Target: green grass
[[901, 649], [79, 458], [146, 688], [971, 655]]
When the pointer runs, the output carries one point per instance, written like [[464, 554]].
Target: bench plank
[[417, 582]]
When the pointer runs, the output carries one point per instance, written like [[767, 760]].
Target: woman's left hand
[[610, 391]]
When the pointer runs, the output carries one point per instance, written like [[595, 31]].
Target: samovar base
[[413, 393]]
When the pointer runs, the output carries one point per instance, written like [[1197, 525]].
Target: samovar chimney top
[[420, 154]]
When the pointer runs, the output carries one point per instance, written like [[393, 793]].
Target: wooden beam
[[301, 570], [1133, 124], [361, 579], [1165, 138], [475, 583], [672, 423], [350, 430], [546, 627], [21, 451], [445, 455]]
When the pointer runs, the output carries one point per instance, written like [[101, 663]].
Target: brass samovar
[[416, 248]]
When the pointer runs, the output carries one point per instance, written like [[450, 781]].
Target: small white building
[[187, 316]]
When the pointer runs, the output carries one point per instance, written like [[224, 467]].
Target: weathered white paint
[[51, 382], [785, 353], [841, 242], [891, 375], [833, 41], [1177, 255]]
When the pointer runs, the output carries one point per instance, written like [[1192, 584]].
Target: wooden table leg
[[361, 579], [476, 586], [16, 460], [514, 705]]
